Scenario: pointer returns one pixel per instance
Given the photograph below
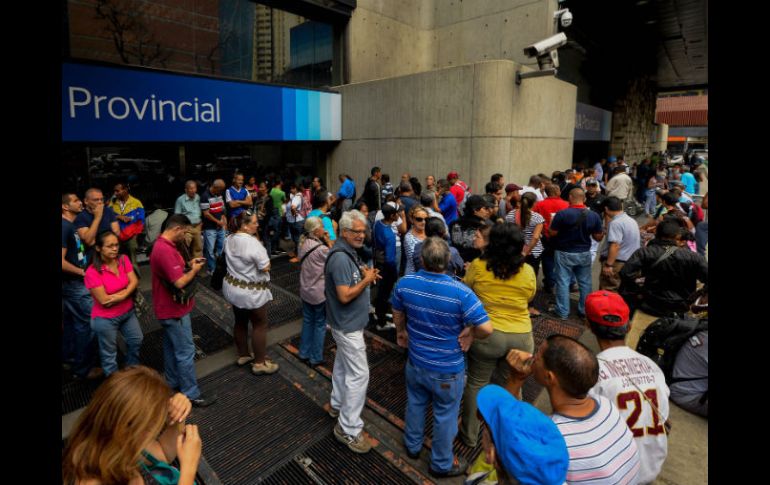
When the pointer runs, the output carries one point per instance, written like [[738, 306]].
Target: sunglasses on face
[[419, 219]]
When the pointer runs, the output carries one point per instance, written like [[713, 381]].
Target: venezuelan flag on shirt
[[133, 209]]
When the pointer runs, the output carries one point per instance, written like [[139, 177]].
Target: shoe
[[244, 360], [458, 468], [334, 413], [413, 456], [267, 367], [387, 326], [203, 401], [552, 311], [357, 444], [581, 315]]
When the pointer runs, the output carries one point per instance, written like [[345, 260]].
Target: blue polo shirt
[[85, 219], [437, 309], [572, 238]]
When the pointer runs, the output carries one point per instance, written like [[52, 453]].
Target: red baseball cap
[[606, 308], [452, 175]]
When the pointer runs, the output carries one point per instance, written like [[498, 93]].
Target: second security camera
[[545, 50]]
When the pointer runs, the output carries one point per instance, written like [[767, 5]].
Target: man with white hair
[[347, 309]]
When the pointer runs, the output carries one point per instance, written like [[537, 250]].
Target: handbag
[[141, 307]]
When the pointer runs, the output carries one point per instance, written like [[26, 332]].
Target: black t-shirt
[[595, 204], [76, 249]]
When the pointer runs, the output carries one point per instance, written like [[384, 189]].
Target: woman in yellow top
[[505, 284]]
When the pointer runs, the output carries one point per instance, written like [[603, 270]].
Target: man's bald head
[[219, 183], [575, 367], [577, 196]]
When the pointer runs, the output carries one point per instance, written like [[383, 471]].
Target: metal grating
[[386, 393], [257, 425], [208, 338], [329, 462]]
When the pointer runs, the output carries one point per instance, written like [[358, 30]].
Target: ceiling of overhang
[[665, 39]]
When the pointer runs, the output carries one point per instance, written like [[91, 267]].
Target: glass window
[[226, 38]]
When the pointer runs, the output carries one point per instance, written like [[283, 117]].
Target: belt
[[603, 259], [248, 285]]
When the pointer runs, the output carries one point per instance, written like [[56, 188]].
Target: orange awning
[[683, 111]]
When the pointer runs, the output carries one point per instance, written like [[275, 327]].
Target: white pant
[[594, 249], [350, 379]]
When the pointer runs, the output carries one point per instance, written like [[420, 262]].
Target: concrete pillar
[[633, 121], [661, 138]]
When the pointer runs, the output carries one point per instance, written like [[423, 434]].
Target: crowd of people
[[454, 273]]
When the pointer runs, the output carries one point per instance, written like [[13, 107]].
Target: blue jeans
[[311, 342], [274, 225], [650, 201], [567, 265], [213, 242], [77, 335], [445, 391], [296, 229], [106, 330], [179, 356]]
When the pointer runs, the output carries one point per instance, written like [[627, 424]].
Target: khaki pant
[[484, 358], [611, 283], [639, 324], [194, 240]]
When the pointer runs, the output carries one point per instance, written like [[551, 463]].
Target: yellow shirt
[[506, 301]]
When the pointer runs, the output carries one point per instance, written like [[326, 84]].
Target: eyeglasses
[[419, 219]]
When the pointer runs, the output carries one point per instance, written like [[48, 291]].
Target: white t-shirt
[[296, 202], [245, 257], [537, 193], [616, 366]]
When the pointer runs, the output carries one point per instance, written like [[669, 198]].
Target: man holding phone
[[168, 270]]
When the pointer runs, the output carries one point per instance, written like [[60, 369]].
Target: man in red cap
[[631, 380], [458, 188]]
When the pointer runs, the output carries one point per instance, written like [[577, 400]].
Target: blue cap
[[528, 443], [612, 159]]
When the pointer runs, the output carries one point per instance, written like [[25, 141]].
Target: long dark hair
[[503, 254], [98, 262], [527, 201]]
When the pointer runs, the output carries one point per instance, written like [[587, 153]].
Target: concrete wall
[[389, 38], [471, 118]]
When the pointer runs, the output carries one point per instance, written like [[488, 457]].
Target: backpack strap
[[666, 254], [309, 252]]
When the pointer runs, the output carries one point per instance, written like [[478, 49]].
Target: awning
[[683, 111]]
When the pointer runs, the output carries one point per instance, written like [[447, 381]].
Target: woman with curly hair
[[131, 431], [505, 285]]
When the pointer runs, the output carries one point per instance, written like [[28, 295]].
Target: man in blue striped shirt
[[431, 311]]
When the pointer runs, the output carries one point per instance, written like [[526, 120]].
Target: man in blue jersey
[[431, 312]]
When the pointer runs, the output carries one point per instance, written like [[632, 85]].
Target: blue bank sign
[[592, 123], [112, 104]]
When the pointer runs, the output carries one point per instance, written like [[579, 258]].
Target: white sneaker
[[387, 326]]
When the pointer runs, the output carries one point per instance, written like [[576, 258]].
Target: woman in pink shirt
[[112, 281]]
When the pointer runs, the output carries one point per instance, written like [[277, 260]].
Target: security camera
[[545, 50], [564, 15]]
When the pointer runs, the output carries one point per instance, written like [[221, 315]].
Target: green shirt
[[278, 197], [189, 207]]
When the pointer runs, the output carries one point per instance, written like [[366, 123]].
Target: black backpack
[[662, 340]]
